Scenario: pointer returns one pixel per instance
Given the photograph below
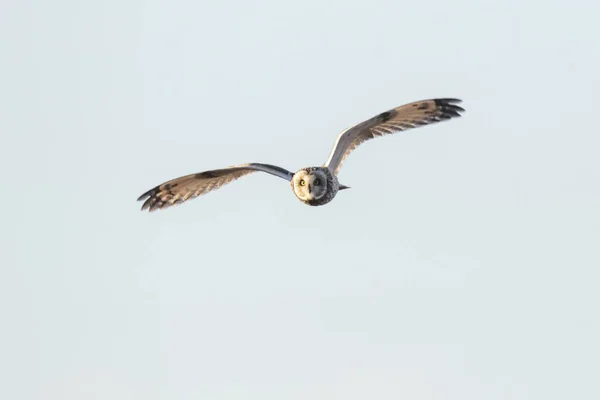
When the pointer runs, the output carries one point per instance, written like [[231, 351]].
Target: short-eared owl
[[314, 186]]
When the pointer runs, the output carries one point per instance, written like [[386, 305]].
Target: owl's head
[[310, 185]]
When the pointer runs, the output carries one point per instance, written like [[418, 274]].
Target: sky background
[[463, 263]]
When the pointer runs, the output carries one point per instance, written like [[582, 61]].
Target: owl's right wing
[[187, 187]]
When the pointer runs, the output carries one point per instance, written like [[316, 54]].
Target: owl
[[317, 185]]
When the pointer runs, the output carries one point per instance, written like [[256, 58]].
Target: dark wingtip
[[449, 107], [449, 104], [149, 199], [145, 195], [447, 100]]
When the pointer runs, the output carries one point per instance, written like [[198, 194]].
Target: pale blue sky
[[463, 263]]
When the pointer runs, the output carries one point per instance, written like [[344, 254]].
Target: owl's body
[[314, 186]]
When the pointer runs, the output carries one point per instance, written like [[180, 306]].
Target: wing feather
[[181, 189], [398, 119]]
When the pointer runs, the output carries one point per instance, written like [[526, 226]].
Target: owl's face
[[310, 185]]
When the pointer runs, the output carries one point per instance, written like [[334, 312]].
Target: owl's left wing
[[398, 119], [187, 187]]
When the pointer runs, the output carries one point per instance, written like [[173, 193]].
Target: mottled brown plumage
[[187, 187], [398, 119], [395, 120]]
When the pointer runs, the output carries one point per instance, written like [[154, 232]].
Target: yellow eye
[[302, 182], [317, 182]]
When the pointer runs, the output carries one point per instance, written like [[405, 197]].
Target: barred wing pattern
[[405, 117], [187, 187]]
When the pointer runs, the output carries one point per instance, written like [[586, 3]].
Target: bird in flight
[[314, 186]]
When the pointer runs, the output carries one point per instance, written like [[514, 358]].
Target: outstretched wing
[[187, 187], [398, 119]]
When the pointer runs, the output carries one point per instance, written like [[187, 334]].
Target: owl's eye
[[317, 182], [302, 182]]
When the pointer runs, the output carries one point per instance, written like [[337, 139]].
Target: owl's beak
[[342, 187]]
